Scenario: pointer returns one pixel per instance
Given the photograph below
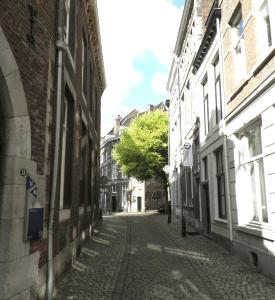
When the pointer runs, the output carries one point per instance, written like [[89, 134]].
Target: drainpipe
[[60, 46], [183, 225], [225, 139]]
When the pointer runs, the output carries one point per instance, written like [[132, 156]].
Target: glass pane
[[254, 193], [263, 194], [254, 141]]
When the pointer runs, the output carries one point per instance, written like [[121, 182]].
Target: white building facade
[[232, 91]]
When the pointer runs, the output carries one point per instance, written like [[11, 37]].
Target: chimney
[[149, 107], [117, 123]]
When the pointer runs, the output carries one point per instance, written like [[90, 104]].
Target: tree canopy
[[143, 148]]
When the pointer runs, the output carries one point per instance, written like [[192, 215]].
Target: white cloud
[[158, 83], [128, 29]]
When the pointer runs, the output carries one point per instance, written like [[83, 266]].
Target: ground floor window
[[222, 210], [252, 167]]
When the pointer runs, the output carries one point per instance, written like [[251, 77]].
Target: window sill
[[257, 230], [64, 214], [222, 221], [255, 69]]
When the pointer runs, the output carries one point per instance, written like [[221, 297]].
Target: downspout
[[225, 138], [60, 46], [183, 225]]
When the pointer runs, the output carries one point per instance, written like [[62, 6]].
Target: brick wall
[[258, 66], [32, 60]]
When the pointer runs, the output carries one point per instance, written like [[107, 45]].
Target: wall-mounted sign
[[23, 172], [187, 154]]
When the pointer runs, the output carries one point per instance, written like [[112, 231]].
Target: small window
[[266, 25], [222, 210], [218, 94], [114, 188], [237, 31], [205, 168], [205, 106]]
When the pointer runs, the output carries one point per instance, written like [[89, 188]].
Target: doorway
[[113, 203], [139, 203]]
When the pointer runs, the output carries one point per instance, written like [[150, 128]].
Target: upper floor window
[[84, 65], [238, 45], [266, 24], [114, 188], [196, 156], [69, 26], [205, 105], [114, 170], [218, 94]]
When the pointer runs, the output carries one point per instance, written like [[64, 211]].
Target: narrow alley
[[140, 256]]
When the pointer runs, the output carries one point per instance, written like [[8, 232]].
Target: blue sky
[[143, 94], [137, 49]]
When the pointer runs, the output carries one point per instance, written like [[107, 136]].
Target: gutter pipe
[[227, 184], [60, 46]]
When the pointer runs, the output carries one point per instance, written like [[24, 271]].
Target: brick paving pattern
[[143, 257]]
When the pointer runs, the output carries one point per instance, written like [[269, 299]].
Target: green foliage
[[143, 148]]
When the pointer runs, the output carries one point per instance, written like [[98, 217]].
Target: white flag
[[187, 153]]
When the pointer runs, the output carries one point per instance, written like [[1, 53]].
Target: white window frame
[[237, 36], [205, 93], [244, 162], [262, 39], [218, 93], [67, 20], [114, 189]]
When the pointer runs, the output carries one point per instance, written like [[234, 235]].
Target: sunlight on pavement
[[154, 247]]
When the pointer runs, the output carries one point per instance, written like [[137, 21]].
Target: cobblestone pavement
[[143, 257]]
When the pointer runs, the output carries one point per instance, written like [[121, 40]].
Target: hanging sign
[[187, 153]]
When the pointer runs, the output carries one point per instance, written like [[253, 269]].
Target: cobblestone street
[[143, 257]]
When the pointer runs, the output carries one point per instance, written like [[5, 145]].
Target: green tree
[[143, 148]]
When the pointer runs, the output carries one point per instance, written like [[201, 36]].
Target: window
[[238, 44], [220, 184], [69, 28], [251, 158], [196, 156], [67, 20], [84, 67], [114, 188], [84, 169], [67, 151], [205, 106], [205, 168], [189, 187], [218, 95], [114, 170], [266, 24]]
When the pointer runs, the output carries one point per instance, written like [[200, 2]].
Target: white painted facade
[[183, 111], [236, 138], [136, 202]]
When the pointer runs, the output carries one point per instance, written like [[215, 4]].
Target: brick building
[[28, 109], [232, 86]]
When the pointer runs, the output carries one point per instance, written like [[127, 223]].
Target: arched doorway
[[18, 267]]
